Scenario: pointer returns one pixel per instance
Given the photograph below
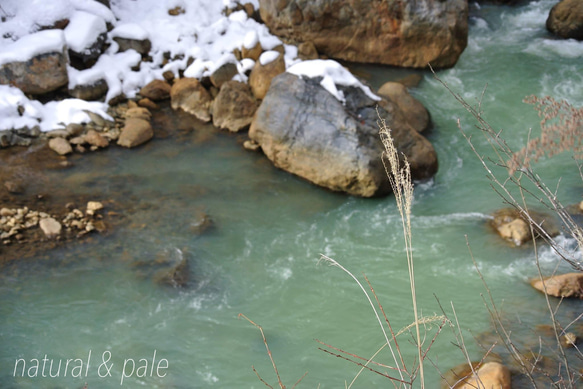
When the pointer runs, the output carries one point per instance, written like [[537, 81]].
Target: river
[[91, 304]]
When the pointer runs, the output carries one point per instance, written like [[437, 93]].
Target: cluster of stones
[[131, 128], [14, 222]]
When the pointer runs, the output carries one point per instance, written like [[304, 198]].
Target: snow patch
[[83, 30], [50, 116], [332, 74], [29, 46], [130, 31], [268, 57]]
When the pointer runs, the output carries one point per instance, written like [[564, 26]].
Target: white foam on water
[[449, 219], [533, 18], [551, 48], [282, 273], [207, 376]]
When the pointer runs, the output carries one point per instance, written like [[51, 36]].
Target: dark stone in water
[[169, 268], [15, 187], [176, 276]]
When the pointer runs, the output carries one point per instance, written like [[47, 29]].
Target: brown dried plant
[[561, 130]]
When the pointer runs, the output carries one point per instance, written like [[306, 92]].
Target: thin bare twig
[[281, 385]]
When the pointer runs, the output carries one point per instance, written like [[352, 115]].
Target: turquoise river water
[[91, 304]]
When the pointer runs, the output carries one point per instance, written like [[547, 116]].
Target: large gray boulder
[[36, 63], [305, 130], [566, 19], [392, 32]]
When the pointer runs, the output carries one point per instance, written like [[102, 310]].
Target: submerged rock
[[568, 285], [176, 276], [305, 130], [169, 268], [391, 32]]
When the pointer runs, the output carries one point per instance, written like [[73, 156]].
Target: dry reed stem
[[333, 262], [399, 174]]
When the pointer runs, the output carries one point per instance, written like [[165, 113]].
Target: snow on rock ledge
[[17, 111], [36, 63], [332, 74]]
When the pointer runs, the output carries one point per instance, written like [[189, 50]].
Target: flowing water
[[261, 256]]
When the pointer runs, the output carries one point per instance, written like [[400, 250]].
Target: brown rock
[[569, 340], [90, 92], [74, 129], [492, 375], [564, 285], [189, 95], [135, 132], [14, 187], [261, 76], [251, 145], [307, 51], [156, 90], [148, 104], [40, 74], [415, 113], [253, 52], [177, 275], [224, 73], [61, 146], [92, 207], [514, 227], [168, 76], [391, 32], [50, 227], [138, 113], [95, 139], [176, 11], [516, 231], [566, 19], [234, 106]]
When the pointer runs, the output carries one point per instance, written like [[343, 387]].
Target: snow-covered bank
[[194, 38]]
